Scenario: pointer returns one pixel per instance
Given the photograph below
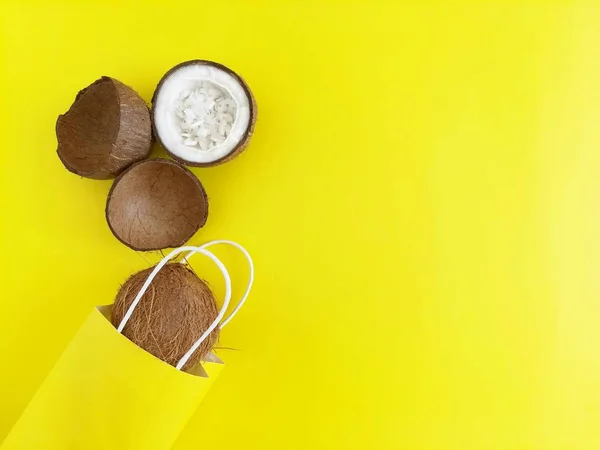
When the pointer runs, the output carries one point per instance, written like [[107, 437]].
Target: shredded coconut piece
[[205, 115]]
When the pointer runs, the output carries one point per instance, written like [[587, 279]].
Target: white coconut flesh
[[201, 113]]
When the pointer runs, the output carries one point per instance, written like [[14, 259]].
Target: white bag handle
[[192, 250], [250, 279]]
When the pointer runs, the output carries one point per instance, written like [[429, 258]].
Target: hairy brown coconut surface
[[203, 113], [106, 129], [175, 311], [156, 204]]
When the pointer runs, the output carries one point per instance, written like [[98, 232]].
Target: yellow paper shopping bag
[[106, 393]]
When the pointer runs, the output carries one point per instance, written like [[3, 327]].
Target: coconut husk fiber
[[106, 130], [156, 204], [175, 311]]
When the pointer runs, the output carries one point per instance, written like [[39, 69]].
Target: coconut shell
[[175, 311], [156, 204], [106, 130], [244, 141]]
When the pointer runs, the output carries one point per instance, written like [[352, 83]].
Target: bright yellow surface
[[422, 198]]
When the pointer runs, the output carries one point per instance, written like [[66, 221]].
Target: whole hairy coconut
[[203, 113], [106, 130], [173, 313], [156, 204]]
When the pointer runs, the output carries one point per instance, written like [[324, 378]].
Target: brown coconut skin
[[175, 311], [107, 129], [244, 141], [156, 204]]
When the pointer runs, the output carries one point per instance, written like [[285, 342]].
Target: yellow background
[[422, 198]]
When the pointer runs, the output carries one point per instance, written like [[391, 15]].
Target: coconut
[[172, 315], [203, 113], [155, 204], [106, 129]]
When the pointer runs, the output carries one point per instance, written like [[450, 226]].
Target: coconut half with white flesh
[[203, 113]]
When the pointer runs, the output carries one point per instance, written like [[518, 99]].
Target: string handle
[[223, 310], [250, 278], [193, 250]]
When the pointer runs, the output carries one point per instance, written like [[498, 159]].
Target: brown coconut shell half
[[247, 135], [156, 204], [107, 129], [173, 313]]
